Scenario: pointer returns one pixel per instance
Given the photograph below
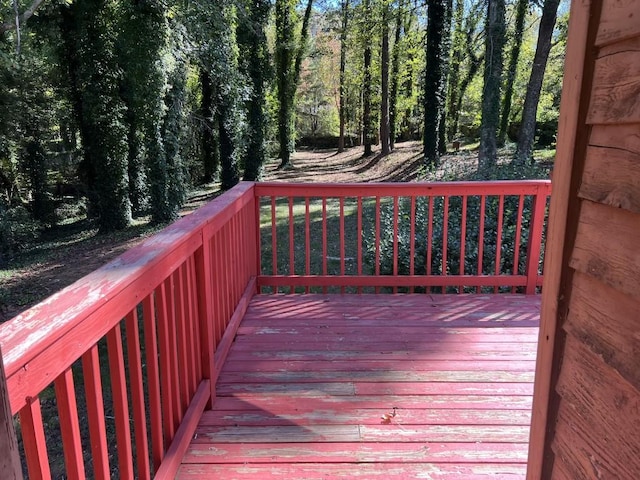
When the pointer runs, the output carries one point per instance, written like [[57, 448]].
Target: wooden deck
[[311, 383]]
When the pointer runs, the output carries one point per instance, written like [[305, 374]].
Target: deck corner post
[[205, 312], [10, 468], [534, 245]]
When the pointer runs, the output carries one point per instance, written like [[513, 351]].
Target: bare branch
[[28, 13]]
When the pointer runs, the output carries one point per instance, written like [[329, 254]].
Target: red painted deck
[[310, 384]]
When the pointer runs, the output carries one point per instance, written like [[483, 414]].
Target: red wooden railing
[[136, 346], [420, 232]]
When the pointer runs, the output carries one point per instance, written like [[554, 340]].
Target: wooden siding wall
[[587, 399]]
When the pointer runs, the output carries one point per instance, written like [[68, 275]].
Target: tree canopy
[[127, 104]]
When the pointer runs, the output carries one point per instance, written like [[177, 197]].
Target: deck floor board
[[311, 381]]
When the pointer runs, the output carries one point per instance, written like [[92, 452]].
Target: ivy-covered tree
[[367, 133], [103, 111], [289, 52], [494, 46], [438, 19], [521, 10], [142, 42], [253, 18]]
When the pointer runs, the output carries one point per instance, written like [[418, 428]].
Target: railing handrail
[[30, 333], [350, 190]]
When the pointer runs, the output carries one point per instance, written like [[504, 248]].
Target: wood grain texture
[[322, 471], [459, 416], [10, 467], [598, 420], [607, 322], [606, 247], [615, 97], [614, 149], [620, 20]]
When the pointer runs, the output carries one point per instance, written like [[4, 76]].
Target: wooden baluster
[[430, 239], [516, 248], [342, 242], [324, 242], [120, 403], [463, 240], [445, 238], [359, 239], [483, 202], [153, 379], [396, 214], [292, 256], [377, 242], [274, 246], [412, 239], [137, 394], [169, 405], [95, 413], [35, 443], [535, 239], [499, 240], [307, 241]]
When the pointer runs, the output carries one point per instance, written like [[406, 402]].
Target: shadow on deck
[[311, 383]]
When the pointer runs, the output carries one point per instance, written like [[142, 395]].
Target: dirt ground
[[72, 251]]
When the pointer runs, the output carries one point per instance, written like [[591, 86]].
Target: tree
[[143, 40], [524, 149], [384, 70], [457, 52], [210, 151], [172, 132], [253, 43], [366, 83], [288, 60], [395, 73], [343, 63], [474, 60], [103, 112], [494, 46], [435, 79], [521, 11]]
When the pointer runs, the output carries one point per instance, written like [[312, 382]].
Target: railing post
[[205, 312], [10, 468], [535, 238]]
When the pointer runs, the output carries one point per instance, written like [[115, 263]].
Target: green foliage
[[18, 230]]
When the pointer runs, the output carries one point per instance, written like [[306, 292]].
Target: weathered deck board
[[309, 379]]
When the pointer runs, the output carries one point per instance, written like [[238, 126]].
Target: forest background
[[112, 111]]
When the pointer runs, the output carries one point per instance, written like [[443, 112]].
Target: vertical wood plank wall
[[587, 402]]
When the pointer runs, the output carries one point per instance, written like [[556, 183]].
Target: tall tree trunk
[[229, 173], [210, 153], [475, 61], [172, 131], [458, 40], [494, 46], [255, 48], [395, 75], [143, 33], [343, 64], [366, 85], [435, 80], [524, 150], [521, 11], [103, 113], [384, 104], [288, 66]]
